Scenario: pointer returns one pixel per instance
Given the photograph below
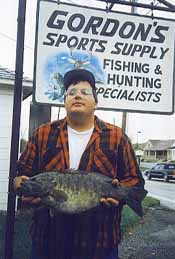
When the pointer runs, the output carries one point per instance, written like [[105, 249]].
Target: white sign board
[[131, 56]]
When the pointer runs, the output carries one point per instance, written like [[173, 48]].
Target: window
[[172, 167], [158, 167]]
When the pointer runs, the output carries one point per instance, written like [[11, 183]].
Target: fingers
[[105, 202], [24, 177], [19, 180], [112, 201], [109, 201], [115, 182], [31, 200]]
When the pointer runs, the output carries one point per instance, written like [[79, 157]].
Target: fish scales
[[73, 191]]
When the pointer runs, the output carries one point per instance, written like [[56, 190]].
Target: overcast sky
[[150, 126]]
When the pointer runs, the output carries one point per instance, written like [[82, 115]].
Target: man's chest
[[97, 155]]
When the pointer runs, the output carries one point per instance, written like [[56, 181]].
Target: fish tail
[[136, 206]]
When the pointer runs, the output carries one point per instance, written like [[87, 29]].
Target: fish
[[73, 191], [56, 87]]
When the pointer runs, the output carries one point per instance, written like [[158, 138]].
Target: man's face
[[79, 99]]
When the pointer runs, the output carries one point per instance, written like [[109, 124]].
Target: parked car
[[165, 171]]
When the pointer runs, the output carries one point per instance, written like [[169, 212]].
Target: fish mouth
[[31, 188]]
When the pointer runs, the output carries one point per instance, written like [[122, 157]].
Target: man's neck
[[80, 124]]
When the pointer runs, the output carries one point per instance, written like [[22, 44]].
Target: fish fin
[[59, 195], [49, 201]]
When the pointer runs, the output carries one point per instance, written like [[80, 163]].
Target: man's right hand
[[18, 181]]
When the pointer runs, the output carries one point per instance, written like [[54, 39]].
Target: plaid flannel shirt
[[109, 152]]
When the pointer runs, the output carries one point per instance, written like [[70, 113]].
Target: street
[[147, 164], [160, 188], [163, 191]]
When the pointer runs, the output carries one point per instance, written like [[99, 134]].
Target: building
[[171, 152], [160, 150], [7, 78]]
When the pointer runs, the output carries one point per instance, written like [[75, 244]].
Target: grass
[[22, 241], [142, 169], [130, 219]]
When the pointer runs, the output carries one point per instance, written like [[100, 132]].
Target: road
[[165, 192]]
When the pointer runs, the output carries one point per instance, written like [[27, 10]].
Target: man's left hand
[[110, 201]]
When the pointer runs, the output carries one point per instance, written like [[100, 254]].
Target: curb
[[164, 202]]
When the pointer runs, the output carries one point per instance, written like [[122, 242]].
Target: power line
[[14, 40]]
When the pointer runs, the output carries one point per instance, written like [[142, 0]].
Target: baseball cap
[[78, 75]]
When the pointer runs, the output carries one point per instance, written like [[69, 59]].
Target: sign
[[131, 56]]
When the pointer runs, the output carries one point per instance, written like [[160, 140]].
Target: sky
[[140, 127]]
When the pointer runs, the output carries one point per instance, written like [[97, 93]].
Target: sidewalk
[[164, 202], [154, 238]]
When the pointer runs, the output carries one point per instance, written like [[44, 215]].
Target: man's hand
[[18, 181], [30, 200], [110, 201]]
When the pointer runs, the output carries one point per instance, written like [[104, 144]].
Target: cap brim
[[79, 75]]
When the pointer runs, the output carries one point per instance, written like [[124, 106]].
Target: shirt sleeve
[[28, 161], [129, 173]]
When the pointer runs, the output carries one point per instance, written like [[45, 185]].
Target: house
[[6, 111], [171, 152], [139, 154], [160, 150]]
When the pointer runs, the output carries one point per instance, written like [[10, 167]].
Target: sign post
[[17, 100]]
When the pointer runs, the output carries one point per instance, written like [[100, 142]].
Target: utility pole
[[138, 132]]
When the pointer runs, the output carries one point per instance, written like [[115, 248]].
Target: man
[[81, 141]]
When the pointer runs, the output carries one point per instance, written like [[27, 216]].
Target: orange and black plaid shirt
[[109, 152]]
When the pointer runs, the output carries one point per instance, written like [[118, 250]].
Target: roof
[[139, 152], [6, 73], [156, 144], [7, 77]]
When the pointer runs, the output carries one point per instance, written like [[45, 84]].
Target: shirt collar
[[98, 124]]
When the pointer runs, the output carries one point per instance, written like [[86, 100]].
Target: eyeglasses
[[83, 91]]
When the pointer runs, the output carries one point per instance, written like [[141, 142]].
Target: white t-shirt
[[77, 143]]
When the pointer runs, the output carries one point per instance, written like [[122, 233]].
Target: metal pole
[[124, 118], [59, 110], [138, 132], [133, 8], [39, 114], [17, 100], [124, 115]]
